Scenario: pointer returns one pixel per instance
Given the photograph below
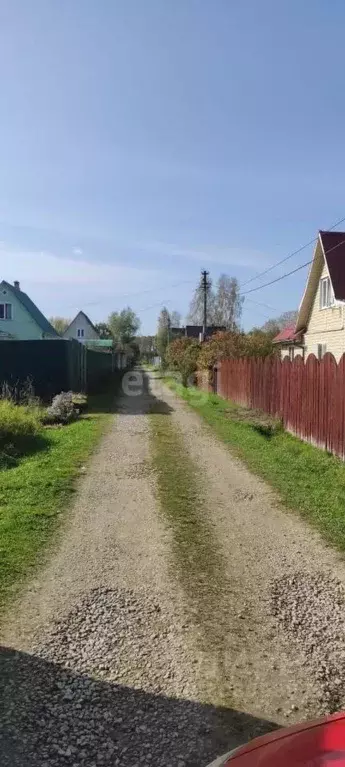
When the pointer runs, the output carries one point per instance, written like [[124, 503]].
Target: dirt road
[[111, 657]]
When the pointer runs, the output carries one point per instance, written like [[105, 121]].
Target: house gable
[[81, 323], [26, 322], [323, 325]]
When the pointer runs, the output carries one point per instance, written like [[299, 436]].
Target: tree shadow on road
[[50, 714], [136, 398]]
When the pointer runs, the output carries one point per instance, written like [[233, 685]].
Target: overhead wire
[[290, 255]]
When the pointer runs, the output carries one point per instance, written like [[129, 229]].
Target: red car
[[311, 744]]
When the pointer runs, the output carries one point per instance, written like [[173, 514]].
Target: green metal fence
[[53, 365]]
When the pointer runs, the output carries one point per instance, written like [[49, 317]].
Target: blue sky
[[144, 141]]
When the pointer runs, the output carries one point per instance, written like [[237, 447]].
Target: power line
[[282, 277], [294, 253]]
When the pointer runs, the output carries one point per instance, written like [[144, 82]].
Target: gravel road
[[103, 662]]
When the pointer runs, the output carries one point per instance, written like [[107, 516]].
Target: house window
[[321, 351], [80, 332], [5, 311], [326, 293]]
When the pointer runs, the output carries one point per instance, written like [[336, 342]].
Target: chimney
[[16, 284]]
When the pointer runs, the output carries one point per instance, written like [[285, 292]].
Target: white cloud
[[206, 255], [77, 251]]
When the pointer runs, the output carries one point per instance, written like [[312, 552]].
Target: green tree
[[60, 324], [103, 330], [124, 325], [162, 337], [147, 347]]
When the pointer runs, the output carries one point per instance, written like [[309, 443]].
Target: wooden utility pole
[[204, 288]]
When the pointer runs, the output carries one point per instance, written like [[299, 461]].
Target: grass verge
[[35, 492], [309, 480]]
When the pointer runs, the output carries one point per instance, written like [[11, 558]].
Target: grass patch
[[197, 560], [309, 480], [35, 492]]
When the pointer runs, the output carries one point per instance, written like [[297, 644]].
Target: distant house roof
[[329, 249], [33, 310], [193, 331], [288, 335]]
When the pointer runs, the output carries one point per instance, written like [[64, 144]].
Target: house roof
[[329, 249], [333, 244], [33, 310], [287, 335], [87, 319]]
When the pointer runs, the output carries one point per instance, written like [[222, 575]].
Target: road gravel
[[107, 661]]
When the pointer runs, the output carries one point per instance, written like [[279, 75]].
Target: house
[[321, 314], [83, 330], [290, 342], [320, 324], [194, 331], [20, 319]]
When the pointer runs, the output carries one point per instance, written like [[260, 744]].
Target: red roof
[[333, 244], [287, 334]]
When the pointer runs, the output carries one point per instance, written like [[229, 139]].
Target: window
[[80, 332], [5, 311], [326, 293], [321, 351]]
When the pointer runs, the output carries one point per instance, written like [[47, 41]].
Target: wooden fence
[[309, 396]]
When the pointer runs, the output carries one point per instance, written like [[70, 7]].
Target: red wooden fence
[[308, 395]]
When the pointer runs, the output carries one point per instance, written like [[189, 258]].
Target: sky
[[141, 142]]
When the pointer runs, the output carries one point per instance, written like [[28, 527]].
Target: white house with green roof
[[20, 318]]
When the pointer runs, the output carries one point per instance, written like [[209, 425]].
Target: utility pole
[[204, 288]]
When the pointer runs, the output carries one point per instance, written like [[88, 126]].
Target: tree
[[276, 324], [196, 307], [147, 347], [103, 330], [224, 304], [175, 319], [60, 324], [227, 303], [162, 338], [124, 325]]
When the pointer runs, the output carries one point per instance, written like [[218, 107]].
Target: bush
[[79, 401], [20, 427], [182, 355], [62, 409], [18, 420]]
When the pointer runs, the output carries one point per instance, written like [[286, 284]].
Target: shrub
[[20, 427], [182, 355], [79, 401], [61, 410]]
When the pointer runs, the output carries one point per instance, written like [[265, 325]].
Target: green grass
[[308, 480], [35, 493], [196, 559]]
